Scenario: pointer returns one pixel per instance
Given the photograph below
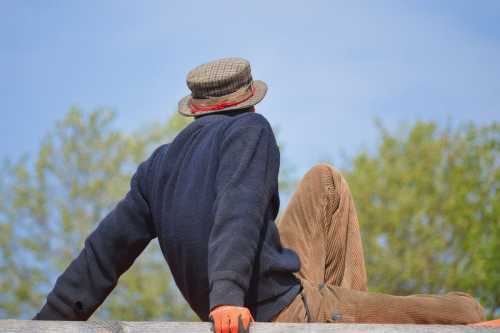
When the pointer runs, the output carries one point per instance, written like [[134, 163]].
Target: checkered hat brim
[[259, 94], [218, 79]]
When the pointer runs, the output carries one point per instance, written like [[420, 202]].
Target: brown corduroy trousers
[[321, 225]]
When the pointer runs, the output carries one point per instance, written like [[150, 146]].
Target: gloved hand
[[230, 319]]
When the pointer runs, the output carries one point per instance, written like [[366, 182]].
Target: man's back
[[214, 200], [211, 197]]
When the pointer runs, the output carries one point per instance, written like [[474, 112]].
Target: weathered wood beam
[[28, 326]]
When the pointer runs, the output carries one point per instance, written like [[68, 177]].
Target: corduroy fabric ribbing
[[321, 225]]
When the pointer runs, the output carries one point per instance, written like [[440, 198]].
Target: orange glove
[[231, 319]]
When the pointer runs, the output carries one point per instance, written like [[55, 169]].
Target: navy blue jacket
[[211, 198]]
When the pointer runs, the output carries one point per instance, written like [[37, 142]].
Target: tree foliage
[[428, 200], [48, 208]]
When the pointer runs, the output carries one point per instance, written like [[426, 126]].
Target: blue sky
[[332, 67]]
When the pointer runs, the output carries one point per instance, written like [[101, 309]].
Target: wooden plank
[[29, 326]]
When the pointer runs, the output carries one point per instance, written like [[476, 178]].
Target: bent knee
[[326, 173], [329, 176], [325, 168], [324, 181]]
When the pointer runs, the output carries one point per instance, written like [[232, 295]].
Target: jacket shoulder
[[250, 119]]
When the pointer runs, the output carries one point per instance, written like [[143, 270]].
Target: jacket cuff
[[226, 292], [48, 313]]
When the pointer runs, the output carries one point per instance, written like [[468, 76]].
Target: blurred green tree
[[47, 210], [428, 200]]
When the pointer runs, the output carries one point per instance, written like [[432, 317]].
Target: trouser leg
[[351, 306], [345, 263], [321, 225]]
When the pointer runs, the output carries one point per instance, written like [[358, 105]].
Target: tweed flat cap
[[221, 85]]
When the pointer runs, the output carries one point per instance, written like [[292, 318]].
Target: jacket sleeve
[[108, 252], [246, 181]]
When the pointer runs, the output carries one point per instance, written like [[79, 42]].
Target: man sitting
[[211, 198]]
